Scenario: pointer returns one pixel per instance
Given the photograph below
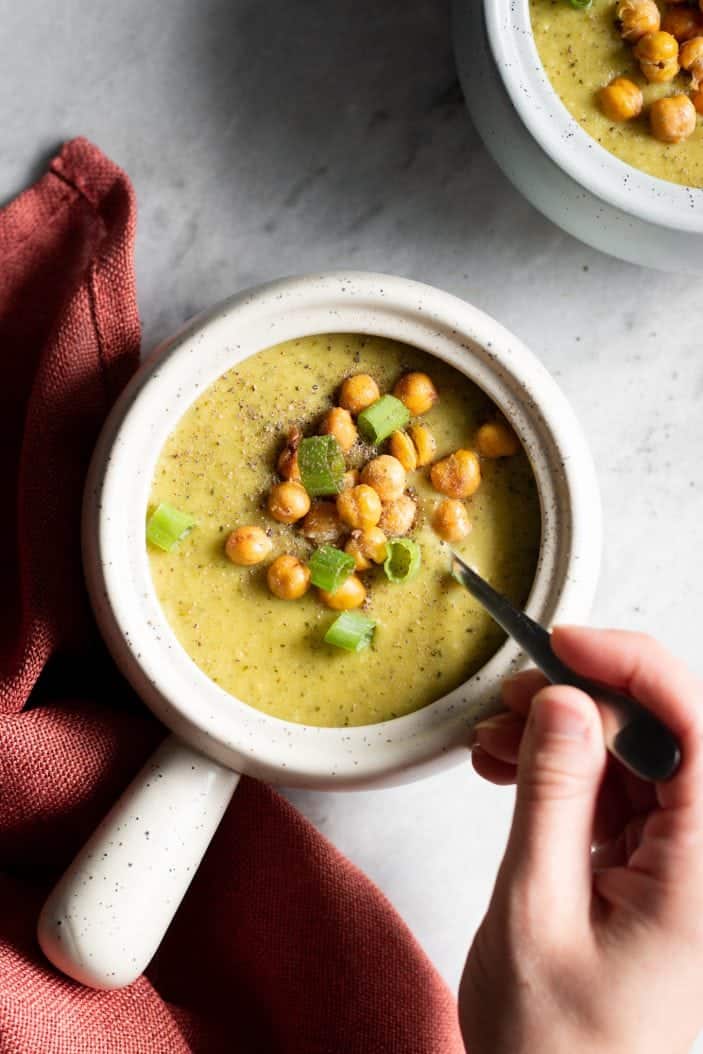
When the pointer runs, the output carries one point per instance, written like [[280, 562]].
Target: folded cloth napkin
[[280, 945]]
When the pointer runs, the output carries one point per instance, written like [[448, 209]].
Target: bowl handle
[[107, 915]]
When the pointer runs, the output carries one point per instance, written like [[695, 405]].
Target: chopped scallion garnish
[[167, 525], [581, 4], [403, 560], [321, 465], [351, 630], [384, 416], [329, 568]]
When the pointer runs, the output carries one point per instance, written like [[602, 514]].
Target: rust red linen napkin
[[281, 945]]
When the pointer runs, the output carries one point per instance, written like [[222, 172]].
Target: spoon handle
[[632, 734]]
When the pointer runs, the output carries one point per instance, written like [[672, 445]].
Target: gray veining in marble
[[272, 138]]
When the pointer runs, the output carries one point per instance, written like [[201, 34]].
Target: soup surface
[[581, 52], [431, 635]]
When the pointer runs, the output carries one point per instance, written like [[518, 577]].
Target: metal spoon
[[632, 734]]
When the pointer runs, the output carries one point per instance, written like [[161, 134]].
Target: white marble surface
[[272, 138]]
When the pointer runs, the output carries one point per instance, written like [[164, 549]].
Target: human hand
[[593, 940]]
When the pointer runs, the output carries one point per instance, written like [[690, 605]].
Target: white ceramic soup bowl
[[549, 157], [107, 915]]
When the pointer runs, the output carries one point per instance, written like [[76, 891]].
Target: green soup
[[581, 52], [431, 635]]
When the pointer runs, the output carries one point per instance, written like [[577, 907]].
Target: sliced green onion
[[403, 560], [384, 416], [321, 464], [167, 525], [581, 4], [329, 568], [350, 630]]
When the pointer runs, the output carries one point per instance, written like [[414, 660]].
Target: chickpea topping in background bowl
[[496, 439], [288, 577], [358, 392], [636, 18], [691, 58], [359, 507], [424, 442], [682, 22], [403, 448], [398, 516], [367, 547], [658, 56], [672, 119], [322, 524], [621, 100], [247, 546], [287, 464]]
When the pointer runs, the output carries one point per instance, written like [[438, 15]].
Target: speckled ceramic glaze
[[557, 165], [107, 915]]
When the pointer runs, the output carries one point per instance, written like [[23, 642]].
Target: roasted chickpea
[[386, 475], [635, 18], [351, 594], [288, 502], [359, 507], [338, 423], [658, 56], [322, 524], [398, 516], [358, 392], [496, 439], [425, 445], [247, 546], [417, 392], [682, 22], [403, 448], [350, 479], [367, 547], [287, 464], [673, 118], [697, 100], [288, 578], [457, 476], [691, 59], [450, 520], [621, 100]]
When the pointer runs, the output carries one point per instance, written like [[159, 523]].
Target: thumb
[[560, 768]]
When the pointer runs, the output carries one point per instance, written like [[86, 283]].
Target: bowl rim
[[566, 142], [115, 558]]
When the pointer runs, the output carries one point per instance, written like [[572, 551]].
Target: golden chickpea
[[417, 392], [386, 475], [350, 479], [288, 502], [358, 392], [338, 423], [398, 516], [287, 464], [497, 439], [403, 448], [682, 22], [691, 59], [247, 546], [425, 445], [673, 118], [457, 476], [359, 507], [367, 547], [288, 578], [697, 100], [322, 524], [450, 520], [658, 56], [351, 594], [621, 100], [635, 18]]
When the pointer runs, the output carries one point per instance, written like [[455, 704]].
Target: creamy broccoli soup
[[387, 630], [651, 124]]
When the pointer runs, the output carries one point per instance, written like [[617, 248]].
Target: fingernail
[[497, 721], [552, 717]]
